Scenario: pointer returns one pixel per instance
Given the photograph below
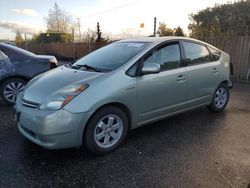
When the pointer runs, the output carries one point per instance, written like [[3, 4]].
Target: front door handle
[[181, 78], [215, 70]]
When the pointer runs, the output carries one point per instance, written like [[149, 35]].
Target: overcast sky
[[116, 17]]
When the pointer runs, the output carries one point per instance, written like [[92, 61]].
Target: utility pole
[[79, 29], [99, 33], [154, 26], [26, 43], [73, 41]]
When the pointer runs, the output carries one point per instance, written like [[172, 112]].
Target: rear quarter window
[[214, 54], [196, 53]]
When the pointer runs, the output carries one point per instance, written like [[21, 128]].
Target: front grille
[[29, 103]]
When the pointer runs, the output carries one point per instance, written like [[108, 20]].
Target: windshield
[[112, 56]]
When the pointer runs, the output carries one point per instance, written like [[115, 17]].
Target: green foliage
[[179, 32], [52, 37], [58, 20], [163, 30], [19, 39], [231, 19]]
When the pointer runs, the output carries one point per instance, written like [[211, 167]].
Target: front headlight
[[62, 97]]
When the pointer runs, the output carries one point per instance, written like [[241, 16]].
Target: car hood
[[39, 88]]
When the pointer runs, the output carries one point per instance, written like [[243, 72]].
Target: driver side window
[[168, 56]]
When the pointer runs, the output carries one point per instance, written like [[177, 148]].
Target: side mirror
[[151, 68]]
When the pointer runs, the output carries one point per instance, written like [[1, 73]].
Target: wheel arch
[[119, 105], [226, 82], [14, 76]]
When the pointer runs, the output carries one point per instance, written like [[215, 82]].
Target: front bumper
[[51, 129]]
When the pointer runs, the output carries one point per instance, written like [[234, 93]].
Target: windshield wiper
[[87, 67]]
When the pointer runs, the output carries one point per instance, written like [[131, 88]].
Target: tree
[[232, 19], [178, 32], [58, 20], [19, 38], [163, 30], [53, 37]]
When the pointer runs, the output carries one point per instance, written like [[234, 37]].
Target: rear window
[[1, 56], [15, 53]]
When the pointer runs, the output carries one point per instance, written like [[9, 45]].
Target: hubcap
[[220, 97], [12, 90], [108, 131]]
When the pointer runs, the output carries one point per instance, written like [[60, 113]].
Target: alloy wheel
[[220, 98], [108, 131], [12, 89]]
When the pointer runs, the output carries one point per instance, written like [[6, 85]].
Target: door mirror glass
[[151, 68]]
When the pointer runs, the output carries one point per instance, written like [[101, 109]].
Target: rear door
[[202, 73], [163, 93]]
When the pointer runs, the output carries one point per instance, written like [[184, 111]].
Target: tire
[[103, 127], [10, 88], [220, 99]]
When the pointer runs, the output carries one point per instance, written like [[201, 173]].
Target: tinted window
[[1, 56], [214, 54], [196, 53], [2, 60], [112, 56], [168, 57]]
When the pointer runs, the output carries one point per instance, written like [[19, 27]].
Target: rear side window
[[4, 55], [167, 56], [2, 60], [1, 56], [214, 54], [196, 53]]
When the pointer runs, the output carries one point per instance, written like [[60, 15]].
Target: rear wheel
[[220, 99], [106, 130], [10, 88]]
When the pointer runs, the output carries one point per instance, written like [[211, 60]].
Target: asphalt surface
[[194, 149]]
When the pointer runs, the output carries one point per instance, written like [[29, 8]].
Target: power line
[[110, 10]]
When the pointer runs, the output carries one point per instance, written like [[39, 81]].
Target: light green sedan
[[119, 87]]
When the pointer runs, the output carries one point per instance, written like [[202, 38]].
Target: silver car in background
[[119, 87]]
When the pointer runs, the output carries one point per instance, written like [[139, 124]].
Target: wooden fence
[[237, 47], [64, 50], [239, 50]]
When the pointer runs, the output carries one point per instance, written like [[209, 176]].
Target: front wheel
[[106, 130], [10, 88], [220, 99]]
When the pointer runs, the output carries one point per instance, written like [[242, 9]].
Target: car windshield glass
[[112, 56]]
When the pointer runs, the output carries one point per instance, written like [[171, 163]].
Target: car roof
[[157, 40]]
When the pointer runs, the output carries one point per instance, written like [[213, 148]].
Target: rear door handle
[[180, 78]]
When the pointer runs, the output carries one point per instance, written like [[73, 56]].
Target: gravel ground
[[194, 149]]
